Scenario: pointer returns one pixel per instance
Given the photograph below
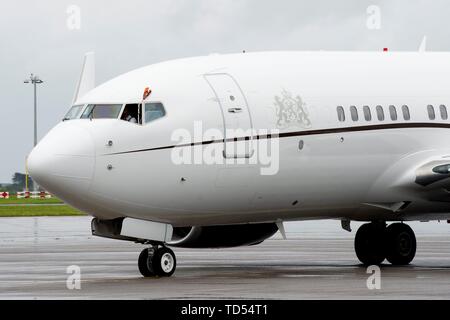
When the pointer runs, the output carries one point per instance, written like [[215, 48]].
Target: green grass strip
[[38, 211], [14, 200]]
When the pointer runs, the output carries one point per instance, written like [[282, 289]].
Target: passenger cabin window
[[444, 113], [380, 113], [367, 113], [354, 113], [102, 111], [341, 114], [406, 114], [393, 113], [131, 113], [153, 111], [74, 113], [431, 113]]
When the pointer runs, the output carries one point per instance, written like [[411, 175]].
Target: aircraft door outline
[[235, 114]]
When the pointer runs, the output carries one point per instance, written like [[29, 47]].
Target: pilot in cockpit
[[130, 113]]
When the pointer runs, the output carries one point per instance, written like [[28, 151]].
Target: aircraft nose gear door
[[236, 115]]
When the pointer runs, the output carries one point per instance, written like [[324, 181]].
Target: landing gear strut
[[375, 242], [157, 261]]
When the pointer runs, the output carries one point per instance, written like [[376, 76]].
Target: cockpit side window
[[153, 111], [74, 112], [131, 113], [102, 111]]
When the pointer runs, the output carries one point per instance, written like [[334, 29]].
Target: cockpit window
[[153, 111], [74, 112], [131, 113], [102, 111]]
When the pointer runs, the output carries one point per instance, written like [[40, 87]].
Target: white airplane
[[219, 151]]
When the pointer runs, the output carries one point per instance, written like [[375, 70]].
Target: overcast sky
[[35, 37]]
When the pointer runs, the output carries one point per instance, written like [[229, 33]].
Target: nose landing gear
[[375, 242], [157, 261]]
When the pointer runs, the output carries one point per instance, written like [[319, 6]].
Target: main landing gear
[[375, 242], [157, 261]]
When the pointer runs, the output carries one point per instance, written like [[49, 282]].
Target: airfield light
[[34, 80]]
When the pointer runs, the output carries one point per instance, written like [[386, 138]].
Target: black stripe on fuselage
[[302, 133]]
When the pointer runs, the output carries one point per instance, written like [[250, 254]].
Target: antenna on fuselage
[[87, 77]]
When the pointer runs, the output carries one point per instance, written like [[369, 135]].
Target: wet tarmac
[[316, 262]]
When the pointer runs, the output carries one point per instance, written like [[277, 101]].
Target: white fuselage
[[326, 168]]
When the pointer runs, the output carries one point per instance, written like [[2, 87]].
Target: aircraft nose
[[63, 162]]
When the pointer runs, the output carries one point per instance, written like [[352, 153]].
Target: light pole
[[34, 80]]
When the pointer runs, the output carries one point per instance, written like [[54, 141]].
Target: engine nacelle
[[222, 236]]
